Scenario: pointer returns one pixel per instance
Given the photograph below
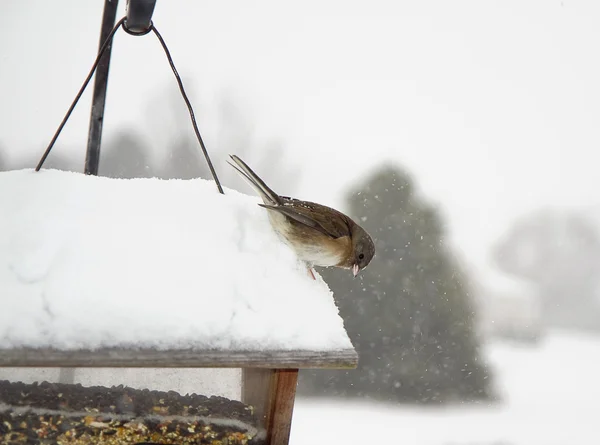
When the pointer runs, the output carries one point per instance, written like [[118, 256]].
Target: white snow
[[550, 392], [88, 262]]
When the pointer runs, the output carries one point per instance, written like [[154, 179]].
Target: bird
[[319, 235]]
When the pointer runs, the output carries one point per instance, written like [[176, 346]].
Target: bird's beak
[[355, 270]]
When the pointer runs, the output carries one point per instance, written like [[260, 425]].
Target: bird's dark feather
[[299, 217], [259, 185], [330, 222]]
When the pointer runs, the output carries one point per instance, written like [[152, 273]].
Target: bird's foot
[[310, 272]]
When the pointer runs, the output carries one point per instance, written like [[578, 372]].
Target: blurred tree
[[125, 156], [235, 135], [560, 253], [184, 161], [55, 160], [409, 315], [3, 164]]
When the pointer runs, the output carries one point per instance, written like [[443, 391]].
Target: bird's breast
[[310, 245], [321, 254]]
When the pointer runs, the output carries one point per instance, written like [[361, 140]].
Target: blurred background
[[463, 135]]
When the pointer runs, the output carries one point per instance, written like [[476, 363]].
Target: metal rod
[[92, 158], [76, 100]]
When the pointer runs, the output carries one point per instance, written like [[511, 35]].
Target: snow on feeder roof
[[118, 272]]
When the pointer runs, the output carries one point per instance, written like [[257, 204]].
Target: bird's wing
[[326, 220]]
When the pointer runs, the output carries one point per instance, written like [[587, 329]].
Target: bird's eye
[[361, 256]]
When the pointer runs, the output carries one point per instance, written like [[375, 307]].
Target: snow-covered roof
[[89, 262]]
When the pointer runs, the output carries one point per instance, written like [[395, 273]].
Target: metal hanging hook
[[139, 17], [137, 22]]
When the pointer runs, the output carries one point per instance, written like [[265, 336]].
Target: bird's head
[[363, 250]]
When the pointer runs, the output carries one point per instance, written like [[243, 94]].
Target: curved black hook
[[136, 32]]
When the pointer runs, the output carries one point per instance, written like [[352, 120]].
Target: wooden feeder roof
[[152, 358], [149, 273]]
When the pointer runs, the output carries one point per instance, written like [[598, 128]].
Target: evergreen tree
[[125, 156], [3, 166], [184, 161], [235, 134], [409, 315], [58, 161]]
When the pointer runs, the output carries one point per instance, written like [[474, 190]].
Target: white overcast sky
[[494, 107]]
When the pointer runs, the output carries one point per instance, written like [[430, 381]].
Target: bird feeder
[[98, 272], [114, 293]]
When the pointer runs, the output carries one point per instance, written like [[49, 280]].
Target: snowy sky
[[493, 106]]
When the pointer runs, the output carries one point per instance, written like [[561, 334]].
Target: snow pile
[[89, 262]]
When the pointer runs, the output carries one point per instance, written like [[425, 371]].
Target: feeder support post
[[92, 158]]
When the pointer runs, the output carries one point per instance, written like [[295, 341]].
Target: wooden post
[[282, 406], [272, 393]]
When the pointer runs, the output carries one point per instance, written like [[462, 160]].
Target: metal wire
[[81, 90], [189, 106], [122, 23]]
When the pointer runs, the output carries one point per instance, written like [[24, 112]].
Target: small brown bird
[[320, 235]]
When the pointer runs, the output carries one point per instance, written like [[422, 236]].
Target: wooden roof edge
[[178, 358]]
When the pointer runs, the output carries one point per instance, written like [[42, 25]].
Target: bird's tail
[[267, 195]]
